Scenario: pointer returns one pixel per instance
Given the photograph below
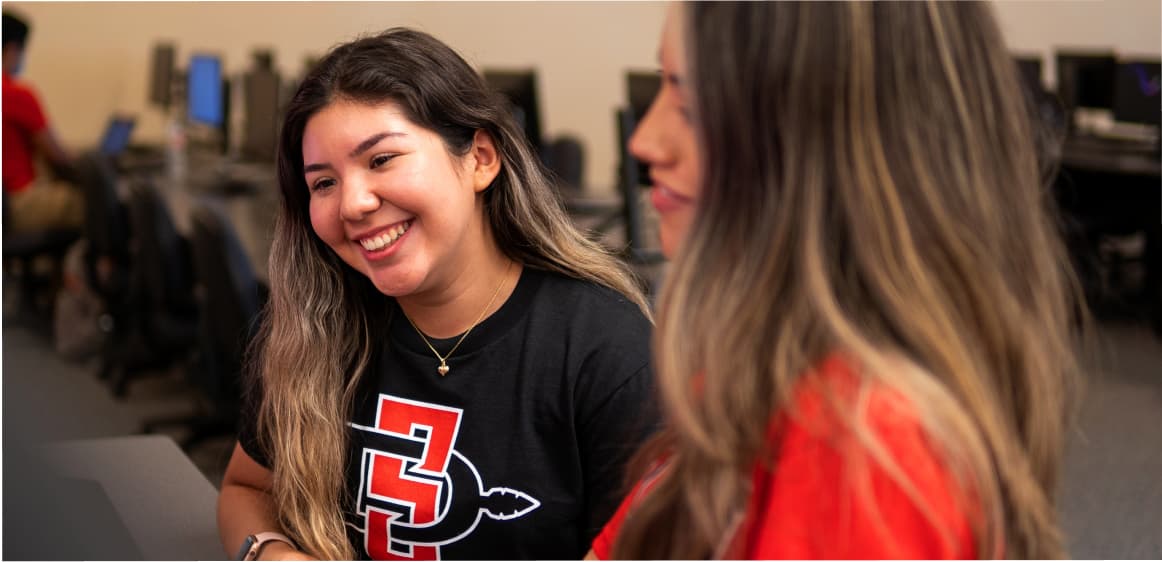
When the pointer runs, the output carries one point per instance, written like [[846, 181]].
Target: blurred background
[[580, 50], [135, 323]]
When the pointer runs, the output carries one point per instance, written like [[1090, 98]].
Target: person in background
[[447, 368], [864, 347], [36, 202]]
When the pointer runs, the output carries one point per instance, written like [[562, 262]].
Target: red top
[[808, 506], [23, 119]]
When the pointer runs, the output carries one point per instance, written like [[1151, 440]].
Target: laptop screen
[[116, 136]]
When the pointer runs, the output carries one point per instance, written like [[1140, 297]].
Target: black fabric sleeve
[[248, 425], [610, 433]]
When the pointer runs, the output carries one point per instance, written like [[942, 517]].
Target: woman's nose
[[646, 143], [359, 199]]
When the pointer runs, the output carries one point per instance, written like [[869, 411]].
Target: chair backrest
[[565, 156], [162, 268], [106, 227], [231, 297]]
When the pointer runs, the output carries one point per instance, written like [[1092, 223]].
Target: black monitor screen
[[1086, 80], [161, 77], [520, 87], [1030, 71], [1136, 93], [641, 88], [205, 93], [262, 102]]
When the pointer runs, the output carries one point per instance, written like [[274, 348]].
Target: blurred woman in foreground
[[864, 344]]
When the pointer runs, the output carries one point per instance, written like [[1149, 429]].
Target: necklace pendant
[[443, 368]]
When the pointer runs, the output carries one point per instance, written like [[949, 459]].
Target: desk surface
[[587, 204], [166, 504], [1101, 155]]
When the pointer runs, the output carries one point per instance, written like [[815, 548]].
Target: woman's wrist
[[277, 550]]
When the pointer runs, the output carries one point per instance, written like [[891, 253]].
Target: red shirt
[[808, 507], [23, 119]]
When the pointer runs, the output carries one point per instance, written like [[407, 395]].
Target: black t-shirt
[[519, 452]]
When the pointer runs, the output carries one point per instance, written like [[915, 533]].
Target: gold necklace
[[444, 368]]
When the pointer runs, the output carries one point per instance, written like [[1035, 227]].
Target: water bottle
[[176, 152]]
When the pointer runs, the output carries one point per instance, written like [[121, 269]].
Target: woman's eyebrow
[[372, 141], [359, 149]]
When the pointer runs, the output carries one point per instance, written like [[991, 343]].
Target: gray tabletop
[[165, 503]]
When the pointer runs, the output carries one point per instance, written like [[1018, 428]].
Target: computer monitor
[[1085, 79], [520, 87], [261, 91], [204, 90], [1030, 70], [262, 59], [1136, 93], [161, 75], [641, 89]]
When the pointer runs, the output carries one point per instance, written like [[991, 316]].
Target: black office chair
[[106, 225], [160, 316], [107, 257], [231, 298], [22, 250], [565, 157]]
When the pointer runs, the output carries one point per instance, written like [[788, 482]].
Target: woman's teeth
[[391, 235]]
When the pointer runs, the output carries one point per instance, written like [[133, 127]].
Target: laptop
[[116, 137]]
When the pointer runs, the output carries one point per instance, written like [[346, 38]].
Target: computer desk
[[1115, 187], [1097, 154], [599, 212], [163, 500], [252, 211]]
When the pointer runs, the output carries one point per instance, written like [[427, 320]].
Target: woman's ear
[[487, 160]]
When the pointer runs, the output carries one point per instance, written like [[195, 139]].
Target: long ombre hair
[[871, 189], [324, 319]]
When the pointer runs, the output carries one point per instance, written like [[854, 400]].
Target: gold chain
[[444, 368]]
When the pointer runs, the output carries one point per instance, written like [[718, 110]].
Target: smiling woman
[[445, 358], [361, 156]]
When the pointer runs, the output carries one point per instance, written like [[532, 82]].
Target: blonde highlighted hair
[[871, 187]]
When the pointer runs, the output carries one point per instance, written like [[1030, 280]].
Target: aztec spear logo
[[410, 472]]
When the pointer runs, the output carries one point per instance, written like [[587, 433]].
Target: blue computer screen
[[116, 136], [205, 90]]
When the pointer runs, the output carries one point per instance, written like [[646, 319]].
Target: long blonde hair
[[871, 188], [323, 318]]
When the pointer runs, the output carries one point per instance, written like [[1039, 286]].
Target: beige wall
[[1131, 27], [90, 59]]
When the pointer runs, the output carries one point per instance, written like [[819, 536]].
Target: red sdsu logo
[[410, 472]]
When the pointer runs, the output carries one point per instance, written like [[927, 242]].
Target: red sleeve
[[603, 543], [23, 107], [602, 546], [808, 508]]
